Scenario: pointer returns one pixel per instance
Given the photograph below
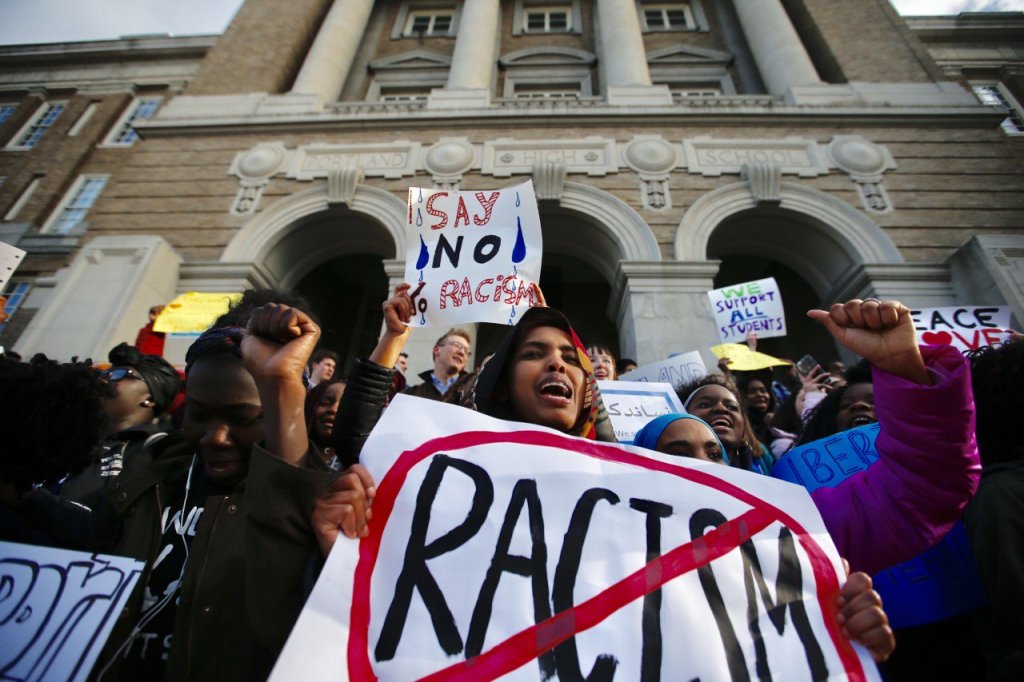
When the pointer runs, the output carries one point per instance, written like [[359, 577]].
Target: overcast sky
[[44, 21]]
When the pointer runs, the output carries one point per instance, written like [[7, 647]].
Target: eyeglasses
[[120, 373], [456, 344]]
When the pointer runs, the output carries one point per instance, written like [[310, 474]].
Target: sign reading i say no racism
[[472, 256], [504, 550]]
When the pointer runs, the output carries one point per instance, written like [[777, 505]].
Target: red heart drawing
[[937, 338]]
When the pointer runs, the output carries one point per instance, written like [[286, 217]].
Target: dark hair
[[743, 457], [321, 354], [53, 418], [161, 378], [786, 418], [239, 311], [821, 422], [756, 419], [313, 398], [225, 342], [622, 362], [996, 374]]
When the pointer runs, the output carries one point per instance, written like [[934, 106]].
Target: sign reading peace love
[[963, 327]]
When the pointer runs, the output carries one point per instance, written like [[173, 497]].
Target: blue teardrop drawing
[[423, 320], [419, 218], [420, 199], [512, 317], [421, 262], [519, 250], [517, 199]]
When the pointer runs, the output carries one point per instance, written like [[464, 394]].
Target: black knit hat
[[161, 378]]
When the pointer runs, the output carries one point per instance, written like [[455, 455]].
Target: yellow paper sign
[[193, 312], [742, 359]]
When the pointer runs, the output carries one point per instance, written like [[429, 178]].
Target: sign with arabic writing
[[632, 404]]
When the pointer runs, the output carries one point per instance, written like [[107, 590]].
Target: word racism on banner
[[749, 307], [57, 608], [632, 404], [474, 255], [940, 583], [678, 370], [963, 327], [602, 560]]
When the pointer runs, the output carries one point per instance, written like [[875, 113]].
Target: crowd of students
[[233, 498]]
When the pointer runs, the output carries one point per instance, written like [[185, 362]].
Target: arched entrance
[[812, 243]]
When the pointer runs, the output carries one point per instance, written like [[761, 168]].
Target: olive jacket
[[246, 577]]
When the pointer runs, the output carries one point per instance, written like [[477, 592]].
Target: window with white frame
[[123, 134], [994, 94], [668, 16], [15, 294], [405, 93], [6, 111], [32, 131], [430, 22], [76, 204], [548, 19], [548, 90]]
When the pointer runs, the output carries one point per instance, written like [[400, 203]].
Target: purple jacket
[[927, 472]]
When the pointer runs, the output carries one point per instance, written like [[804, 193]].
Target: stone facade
[[683, 159]]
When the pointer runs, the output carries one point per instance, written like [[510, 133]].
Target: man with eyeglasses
[[451, 353], [144, 387]]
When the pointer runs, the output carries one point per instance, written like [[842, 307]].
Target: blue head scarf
[[648, 436]]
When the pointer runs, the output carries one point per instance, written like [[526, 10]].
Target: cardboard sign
[[10, 259], [748, 307], [57, 608], [193, 312], [963, 327], [632, 404], [503, 550], [742, 359], [678, 370], [940, 583], [472, 256]]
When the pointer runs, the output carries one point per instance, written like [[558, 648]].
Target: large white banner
[[749, 307], [472, 256], [57, 608], [502, 550]]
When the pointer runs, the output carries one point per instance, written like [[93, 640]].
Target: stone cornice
[[128, 48]]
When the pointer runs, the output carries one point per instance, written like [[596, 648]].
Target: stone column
[[778, 51], [662, 308], [469, 80], [102, 298], [329, 60], [623, 58]]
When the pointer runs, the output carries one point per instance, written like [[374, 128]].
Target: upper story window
[[995, 94], [547, 20], [6, 111], [430, 22], [124, 134], [15, 294], [667, 16], [32, 131], [76, 204]]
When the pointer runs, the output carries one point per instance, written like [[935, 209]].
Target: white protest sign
[[10, 259], [57, 608], [631, 404], [963, 327], [503, 550], [678, 370], [748, 307], [472, 256]]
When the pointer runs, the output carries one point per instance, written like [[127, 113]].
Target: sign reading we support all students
[[755, 307], [963, 327], [504, 550], [472, 256], [57, 608]]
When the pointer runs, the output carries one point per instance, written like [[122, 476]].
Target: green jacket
[[245, 579]]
